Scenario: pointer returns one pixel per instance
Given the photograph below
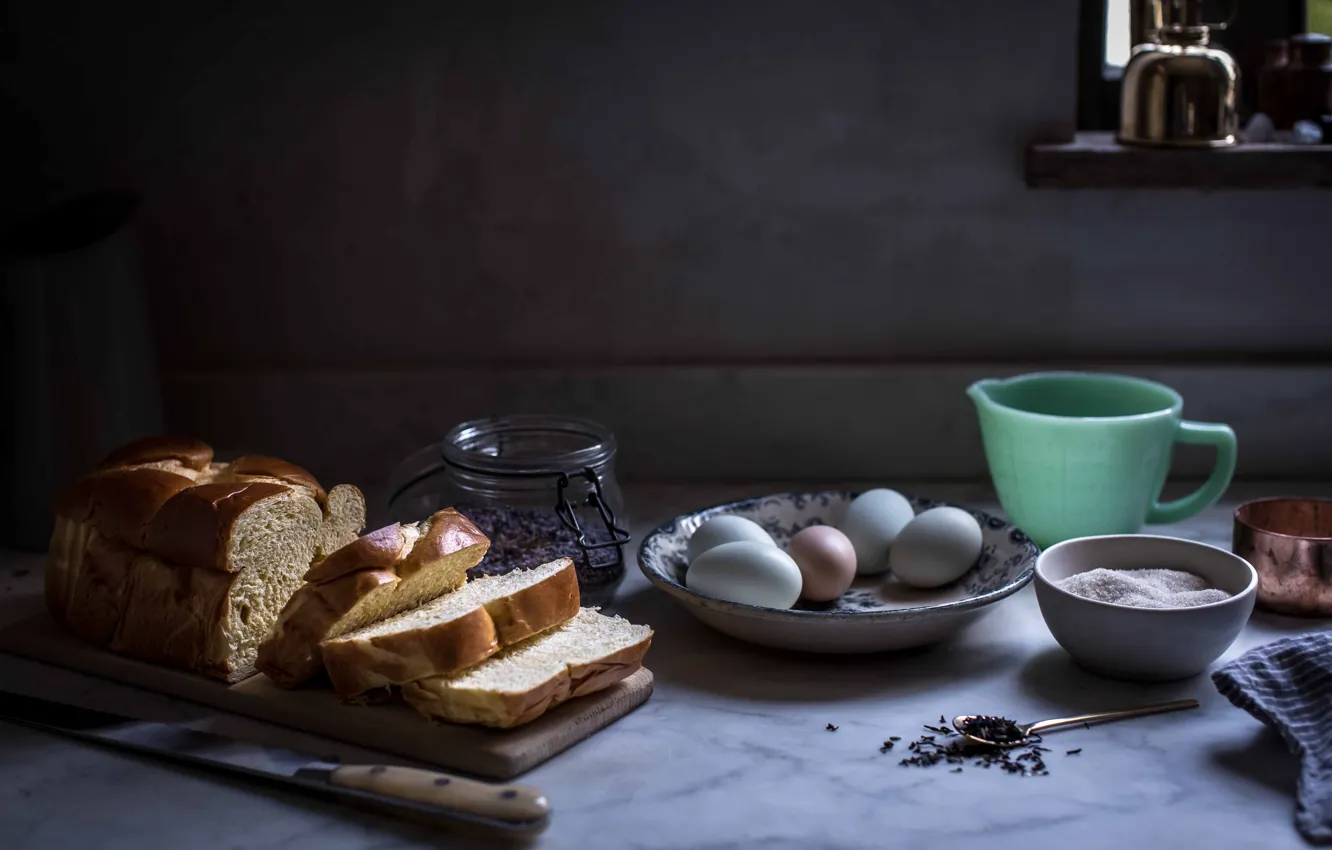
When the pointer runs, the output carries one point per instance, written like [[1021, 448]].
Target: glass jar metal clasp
[[569, 516]]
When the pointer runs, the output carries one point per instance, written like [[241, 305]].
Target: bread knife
[[421, 795]]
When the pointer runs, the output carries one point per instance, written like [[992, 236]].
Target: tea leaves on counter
[[929, 750]]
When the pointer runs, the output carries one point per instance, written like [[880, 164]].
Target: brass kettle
[[1179, 90]]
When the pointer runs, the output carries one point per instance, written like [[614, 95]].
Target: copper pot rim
[[1267, 499]]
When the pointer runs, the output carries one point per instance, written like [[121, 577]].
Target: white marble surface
[[732, 749]]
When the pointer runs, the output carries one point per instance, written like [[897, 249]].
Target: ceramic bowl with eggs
[[837, 571], [1144, 644]]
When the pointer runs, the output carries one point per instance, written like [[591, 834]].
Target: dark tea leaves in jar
[[522, 538]]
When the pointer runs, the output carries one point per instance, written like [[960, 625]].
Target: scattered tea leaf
[[1024, 759]]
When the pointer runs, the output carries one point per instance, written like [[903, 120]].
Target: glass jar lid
[[529, 445]]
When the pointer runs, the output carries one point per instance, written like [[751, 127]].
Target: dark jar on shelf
[[540, 487], [1307, 77]]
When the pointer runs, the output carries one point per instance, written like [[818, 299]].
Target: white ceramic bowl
[[1144, 644], [874, 615]]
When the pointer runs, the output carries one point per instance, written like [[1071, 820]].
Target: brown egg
[[827, 562]]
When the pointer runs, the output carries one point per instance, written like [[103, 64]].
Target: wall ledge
[[1096, 161]]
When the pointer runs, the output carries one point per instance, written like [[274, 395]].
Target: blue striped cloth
[[1287, 684]]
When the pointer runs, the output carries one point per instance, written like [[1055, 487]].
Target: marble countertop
[[732, 750]]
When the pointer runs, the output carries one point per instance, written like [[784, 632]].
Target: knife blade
[[422, 794]]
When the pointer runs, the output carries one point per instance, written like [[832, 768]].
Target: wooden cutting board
[[392, 728]]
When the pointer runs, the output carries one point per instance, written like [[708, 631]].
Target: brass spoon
[[1026, 730]]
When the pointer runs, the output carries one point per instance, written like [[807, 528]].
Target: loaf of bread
[[390, 570], [518, 685], [455, 631], [167, 556]]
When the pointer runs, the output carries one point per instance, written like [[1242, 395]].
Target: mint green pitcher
[[1077, 454]]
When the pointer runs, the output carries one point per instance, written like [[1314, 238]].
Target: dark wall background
[[665, 202]]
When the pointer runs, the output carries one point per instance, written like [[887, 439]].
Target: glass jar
[[540, 487], [1308, 77]]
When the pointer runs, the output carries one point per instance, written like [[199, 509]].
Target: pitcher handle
[[1200, 434]]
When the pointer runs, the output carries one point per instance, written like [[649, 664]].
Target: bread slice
[[455, 631], [588, 653], [290, 654], [386, 572], [344, 518], [232, 527]]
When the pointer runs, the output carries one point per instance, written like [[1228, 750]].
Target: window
[[1118, 44], [1320, 16], [1105, 42]]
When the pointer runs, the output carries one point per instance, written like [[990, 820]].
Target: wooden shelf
[[1095, 161]]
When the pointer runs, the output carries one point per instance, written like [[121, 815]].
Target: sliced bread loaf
[[386, 572], [455, 631], [588, 653], [232, 543]]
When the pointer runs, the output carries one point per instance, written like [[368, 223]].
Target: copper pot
[[1289, 543]]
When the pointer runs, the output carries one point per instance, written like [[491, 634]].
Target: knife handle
[[514, 805]]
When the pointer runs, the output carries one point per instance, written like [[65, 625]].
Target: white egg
[[872, 522], [725, 529], [935, 548], [747, 572]]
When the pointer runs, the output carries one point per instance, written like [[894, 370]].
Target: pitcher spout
[[979, 392]]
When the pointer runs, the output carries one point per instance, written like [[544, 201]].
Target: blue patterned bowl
[[874, 615]]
